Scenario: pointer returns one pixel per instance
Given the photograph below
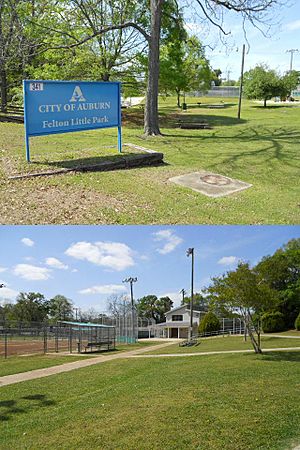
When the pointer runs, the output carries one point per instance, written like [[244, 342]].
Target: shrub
[[297, 322], [209, 323], [273, 321]]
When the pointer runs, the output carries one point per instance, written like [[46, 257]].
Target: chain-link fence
[[23, 338]]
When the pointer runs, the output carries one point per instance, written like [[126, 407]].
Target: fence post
[[45, 339], [5, 343], [56, 338], [71, 339]]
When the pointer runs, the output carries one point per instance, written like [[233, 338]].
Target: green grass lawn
[[18, 364], [289, 333], [227, 343], [261, 149], [232, 402]]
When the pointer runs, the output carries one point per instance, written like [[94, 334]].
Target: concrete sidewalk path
[[41, 373], [167, 355], [281, 336]]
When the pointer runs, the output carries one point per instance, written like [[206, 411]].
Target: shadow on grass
[[268, 145], [276, 106], [10, 407], [210, 119], [212, 105], [168, 119], [113, 162], [293, 356]]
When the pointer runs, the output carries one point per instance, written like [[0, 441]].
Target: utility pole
[[183, 292], [190, 251], [76, 313], [241, 82], [131, 280], [292, 51], [228, 75]]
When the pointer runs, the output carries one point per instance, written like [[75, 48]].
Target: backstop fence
[[23, 338]]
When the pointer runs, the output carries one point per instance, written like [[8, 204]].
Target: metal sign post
[[53, 107]]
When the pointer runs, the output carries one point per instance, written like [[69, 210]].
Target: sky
[[285, 35], [89, 263]]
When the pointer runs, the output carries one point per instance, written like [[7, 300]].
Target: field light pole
[[190, 251], [131, 280], [183, 292]]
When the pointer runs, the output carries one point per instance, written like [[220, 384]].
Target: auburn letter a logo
[[77, 95]]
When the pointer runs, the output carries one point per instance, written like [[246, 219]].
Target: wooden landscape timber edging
[[12, 114], [11, 118], [150, 158]]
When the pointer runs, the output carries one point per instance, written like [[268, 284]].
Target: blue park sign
[[52, 107]]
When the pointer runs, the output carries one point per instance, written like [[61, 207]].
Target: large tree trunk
[[151, 126], [178, 99], [3, 90]]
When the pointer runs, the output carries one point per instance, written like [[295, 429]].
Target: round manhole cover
[[217, 180]]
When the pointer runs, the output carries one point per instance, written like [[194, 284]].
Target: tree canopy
[[263, 83], [98, 39], [153, 307], [244, 292]]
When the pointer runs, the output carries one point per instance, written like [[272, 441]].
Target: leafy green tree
[[164, 304], [272, 322], [30, 307], [281, 271], [290, 81], [60, 308], [216, 77], [146, 306], [154, 308], [243, 292], [199, 301], [16, 43], [209, 323], [185, 60], [262, 83], [7, 312]]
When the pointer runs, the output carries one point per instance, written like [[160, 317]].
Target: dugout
[[88, 337]]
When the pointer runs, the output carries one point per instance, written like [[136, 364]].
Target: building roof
[[196, 308], [178, 324], [86, 324]]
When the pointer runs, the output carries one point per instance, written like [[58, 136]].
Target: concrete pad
[[210, 184]]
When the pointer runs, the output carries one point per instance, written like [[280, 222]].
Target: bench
[[97, 345], [194, 125], [189, 343], [211, 106]]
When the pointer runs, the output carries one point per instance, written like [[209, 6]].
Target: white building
[[178, 322]]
